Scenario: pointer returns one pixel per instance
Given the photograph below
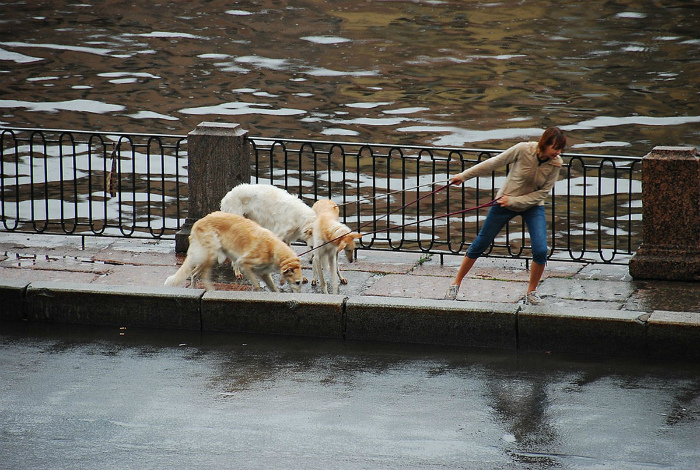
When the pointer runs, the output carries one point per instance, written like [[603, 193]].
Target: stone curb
[[470, 324], [431, 322], [674, 334], [270, 313], [575, 330], [12, 295], [90, 304]]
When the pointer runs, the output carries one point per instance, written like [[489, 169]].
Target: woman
[[534, 170]]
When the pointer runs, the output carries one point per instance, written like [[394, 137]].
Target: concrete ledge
[[472, 324], [674, 334], [12, 299], [581, 330], [431, 322], [148, 307], [273, 313]]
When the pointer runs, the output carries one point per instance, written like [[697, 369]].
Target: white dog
[[273, 208], [257, 251], [329, 238]]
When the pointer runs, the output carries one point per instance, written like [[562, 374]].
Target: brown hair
[[553, 136]]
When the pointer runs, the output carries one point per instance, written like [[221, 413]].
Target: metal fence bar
[[135, 185], [92, 183]]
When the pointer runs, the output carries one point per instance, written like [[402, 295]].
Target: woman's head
[[553, 137]]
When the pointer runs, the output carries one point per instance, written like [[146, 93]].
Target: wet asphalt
[[87, 397]]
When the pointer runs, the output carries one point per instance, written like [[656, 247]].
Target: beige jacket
[[528, 182]]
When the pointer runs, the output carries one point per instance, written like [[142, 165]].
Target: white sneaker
[[451, 293], [532, 298]]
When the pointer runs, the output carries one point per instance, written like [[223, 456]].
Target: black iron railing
[[95, 183], [594, 210], [135, 185]]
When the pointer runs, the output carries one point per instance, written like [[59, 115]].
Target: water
[[621, 77], [129, 398]]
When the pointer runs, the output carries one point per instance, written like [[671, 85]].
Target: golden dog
[[330, 237], [257, 251]]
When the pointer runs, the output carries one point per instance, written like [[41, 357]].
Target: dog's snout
[[350, 256]]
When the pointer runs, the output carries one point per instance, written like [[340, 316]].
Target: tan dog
[[330, 237], [285, 215], [257, 251]]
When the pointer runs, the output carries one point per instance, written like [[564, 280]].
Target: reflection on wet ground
[[118, 398], [620, 77]]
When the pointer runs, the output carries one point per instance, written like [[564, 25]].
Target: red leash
[[403, 207], [481, 206], [372, 221]]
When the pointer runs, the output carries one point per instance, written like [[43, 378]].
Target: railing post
[[218, 158], [670, 247]]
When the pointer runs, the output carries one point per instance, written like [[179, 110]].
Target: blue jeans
[[498, 217]]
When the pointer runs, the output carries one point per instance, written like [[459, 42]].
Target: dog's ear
[[289, 269], [350, 238], [290, 265], [342, 244]]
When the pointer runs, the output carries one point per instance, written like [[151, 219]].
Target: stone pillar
[[670, 247], [218, 158]]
